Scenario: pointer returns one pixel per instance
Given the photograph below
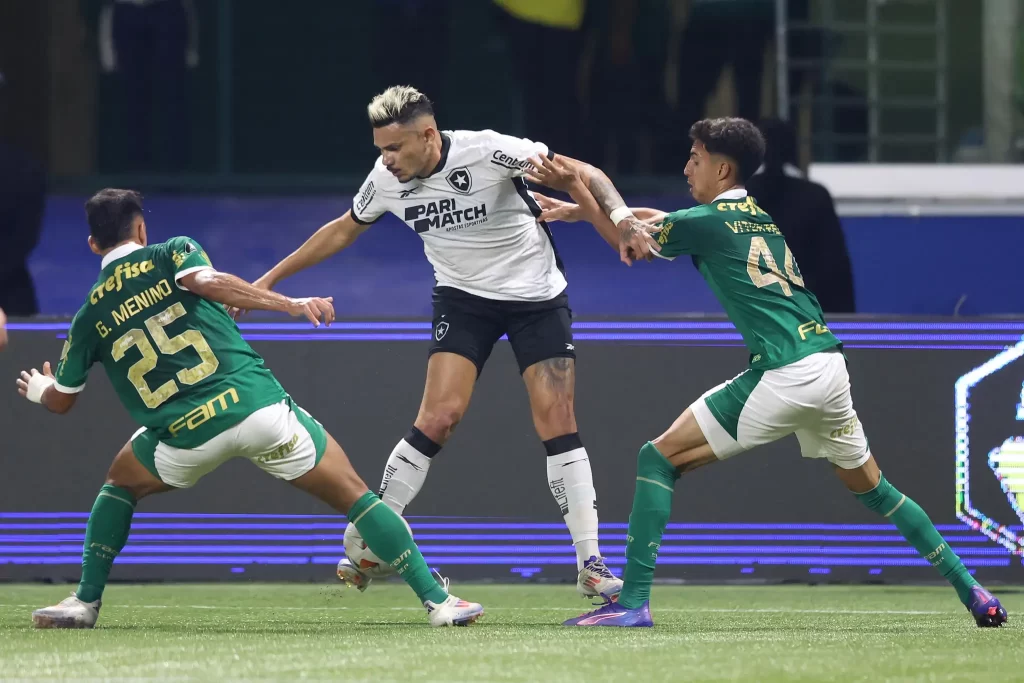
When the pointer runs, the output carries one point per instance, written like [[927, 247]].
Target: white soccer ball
[[362, 557]]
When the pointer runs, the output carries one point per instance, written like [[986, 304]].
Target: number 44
[[759, 251]]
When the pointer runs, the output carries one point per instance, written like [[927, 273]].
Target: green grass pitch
[[703, 633]]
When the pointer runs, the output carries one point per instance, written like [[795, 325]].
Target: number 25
[[167, 345]]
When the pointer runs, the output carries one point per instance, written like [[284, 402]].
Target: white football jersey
[[476, 216]]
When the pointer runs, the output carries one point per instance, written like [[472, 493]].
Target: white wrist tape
[[620, 213], [36, 386]]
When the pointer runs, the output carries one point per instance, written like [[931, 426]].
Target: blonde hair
[[398, 104]]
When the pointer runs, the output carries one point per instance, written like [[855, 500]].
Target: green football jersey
[[177, 361], [744, 258]]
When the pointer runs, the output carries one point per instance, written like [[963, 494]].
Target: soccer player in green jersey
[[156, 321], [797, 382]]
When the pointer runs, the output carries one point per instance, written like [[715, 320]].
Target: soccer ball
[[362, 557]]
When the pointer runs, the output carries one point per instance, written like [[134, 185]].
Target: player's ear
[[143, 239], [724, 169], [92, 246]]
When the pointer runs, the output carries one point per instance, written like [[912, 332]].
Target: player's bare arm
[[589, 186], [557, 210], [233, 291], [3, 330], [331, 238], [557, 174], [328, 240]]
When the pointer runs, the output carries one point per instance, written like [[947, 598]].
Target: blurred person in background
[[624, 55], [22, 199], [545, 41], [717, 34], [149, 45], [806, 214]]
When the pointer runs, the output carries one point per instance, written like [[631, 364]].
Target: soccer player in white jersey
[[497, 273], [797, 382]]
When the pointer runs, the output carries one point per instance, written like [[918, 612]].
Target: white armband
[[36, 386], [620, 213]]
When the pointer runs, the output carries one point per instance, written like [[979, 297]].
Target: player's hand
[[636, 241], [3, 330], [557, 210], [26, 377], [314, 308], [262, 283], [553, 173]]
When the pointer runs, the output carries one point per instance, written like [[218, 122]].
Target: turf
[[289, 631]]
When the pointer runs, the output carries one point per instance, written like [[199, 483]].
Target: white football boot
[[68, 613], [595, 580], [453, 611], [350, 574]]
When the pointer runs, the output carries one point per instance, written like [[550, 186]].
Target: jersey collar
[[446, 145], [734, 193], [119, 252]]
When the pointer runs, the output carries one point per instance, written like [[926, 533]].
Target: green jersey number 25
[[168, 345]]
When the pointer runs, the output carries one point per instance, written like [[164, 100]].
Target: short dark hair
[[398, 104], [111, 213], [735, 138]]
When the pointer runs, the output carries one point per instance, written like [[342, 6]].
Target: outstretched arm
[[600, 203], [327, 241], [233, 291]]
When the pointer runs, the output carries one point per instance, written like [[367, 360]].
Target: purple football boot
[[612, 613], [985, 608]]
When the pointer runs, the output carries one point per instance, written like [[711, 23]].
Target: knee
[[127, 478], [438, 422]]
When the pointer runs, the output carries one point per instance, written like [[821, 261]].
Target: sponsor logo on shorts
[[848, 429], [441, 330], [281, 451]]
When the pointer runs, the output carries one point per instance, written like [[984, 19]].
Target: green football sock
[[385, 534], [919, 531], [652, 502], [105, 536]]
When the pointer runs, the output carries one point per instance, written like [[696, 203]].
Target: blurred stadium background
[[243, 123]]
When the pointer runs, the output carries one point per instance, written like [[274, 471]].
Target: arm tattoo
[[603, 190]]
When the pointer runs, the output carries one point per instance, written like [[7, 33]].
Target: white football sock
[[572, 484], [405, 473]]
